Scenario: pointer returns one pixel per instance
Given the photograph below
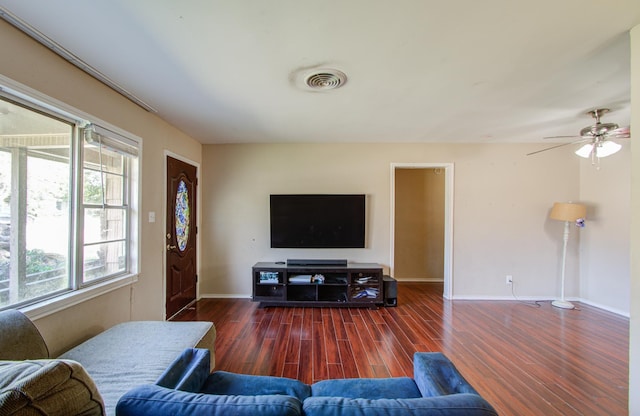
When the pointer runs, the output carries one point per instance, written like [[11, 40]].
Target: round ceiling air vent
[[326, 79]]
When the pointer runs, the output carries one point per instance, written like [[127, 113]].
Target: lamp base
[[562, 304]]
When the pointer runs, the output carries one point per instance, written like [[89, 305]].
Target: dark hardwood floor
[[524, 360]]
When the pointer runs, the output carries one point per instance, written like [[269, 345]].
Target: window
[[105, 203], [66, 193]]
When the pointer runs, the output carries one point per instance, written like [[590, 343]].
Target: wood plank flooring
[[524, 360]]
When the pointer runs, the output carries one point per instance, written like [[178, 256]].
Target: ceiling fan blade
[[562, 137], [548, 148], [620, 133], [556, 146]]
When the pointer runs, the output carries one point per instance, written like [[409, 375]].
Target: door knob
[[169, 247]]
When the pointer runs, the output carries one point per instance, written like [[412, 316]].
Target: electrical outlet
[[509, 279]]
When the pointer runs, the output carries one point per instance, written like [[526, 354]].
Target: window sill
[[64, 301]]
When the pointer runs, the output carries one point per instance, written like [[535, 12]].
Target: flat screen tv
[[317, 221]]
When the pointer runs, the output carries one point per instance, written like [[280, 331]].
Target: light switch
[[152, 216]]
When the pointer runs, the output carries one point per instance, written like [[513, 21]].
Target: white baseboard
[[224, 296], [543, 299], [606, 308], [502, 298]]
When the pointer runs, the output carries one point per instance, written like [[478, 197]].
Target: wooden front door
[[180, 235]]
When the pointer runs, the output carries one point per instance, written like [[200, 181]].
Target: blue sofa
[[188, 388]]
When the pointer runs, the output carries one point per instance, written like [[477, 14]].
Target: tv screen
[[317, 221]]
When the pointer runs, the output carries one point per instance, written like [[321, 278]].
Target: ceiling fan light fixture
[[607, 148], [602, 149], [585, 151]]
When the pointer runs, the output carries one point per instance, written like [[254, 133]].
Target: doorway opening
[[422, 223]]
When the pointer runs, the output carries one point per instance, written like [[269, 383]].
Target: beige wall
[[604, 248], [501, 204], [634, 345], [30, 64], [419, 224]]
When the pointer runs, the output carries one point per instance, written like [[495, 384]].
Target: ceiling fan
[[597, 138]]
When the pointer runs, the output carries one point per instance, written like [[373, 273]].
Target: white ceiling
[[418, 70]]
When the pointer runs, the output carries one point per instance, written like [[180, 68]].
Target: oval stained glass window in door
[[182, 216]]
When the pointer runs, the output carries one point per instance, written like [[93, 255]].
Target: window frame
[[79, 290]]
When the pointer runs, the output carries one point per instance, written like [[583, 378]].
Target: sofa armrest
[[188, 372], [20, 338], [48, 387], [436, 375], [153, 400], [452, 405]]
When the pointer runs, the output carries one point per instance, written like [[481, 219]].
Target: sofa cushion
[[367, 388], [452, 405], [222, 382], [153, 400], [49, 387]]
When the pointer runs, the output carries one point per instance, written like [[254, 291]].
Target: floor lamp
[[567, 212]]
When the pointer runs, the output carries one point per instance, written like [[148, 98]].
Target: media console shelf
[[354, 284]]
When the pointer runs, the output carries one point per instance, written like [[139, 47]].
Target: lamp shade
[[566, 211]]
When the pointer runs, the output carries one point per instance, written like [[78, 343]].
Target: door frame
[[448, 218], [164, 222]]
